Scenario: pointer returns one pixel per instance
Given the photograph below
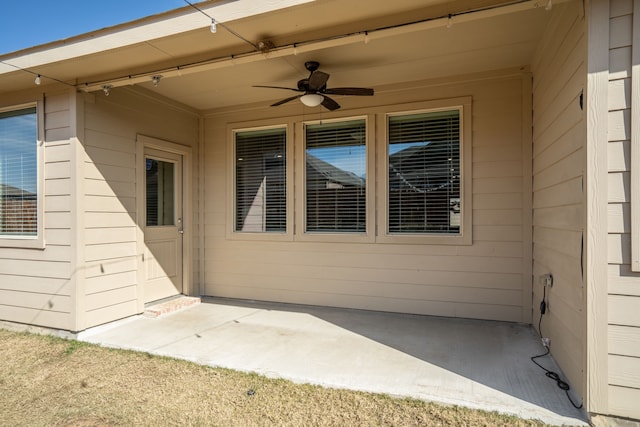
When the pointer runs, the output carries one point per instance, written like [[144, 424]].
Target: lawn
[[47, 381]]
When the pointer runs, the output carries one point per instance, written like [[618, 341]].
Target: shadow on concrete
[[494, 354]]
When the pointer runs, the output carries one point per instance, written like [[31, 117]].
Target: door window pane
[[18, 173], [160, 192], [424, 173], [336, 184], [261, 181]]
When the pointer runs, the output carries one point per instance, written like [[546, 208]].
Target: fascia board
[[144, 30]]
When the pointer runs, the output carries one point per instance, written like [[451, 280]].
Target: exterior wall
[[110, 260], [559, 132], [488, 279], [37, 286], [624, 284], [86, 273]]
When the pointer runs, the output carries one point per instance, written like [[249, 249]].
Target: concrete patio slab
[[477, 364]]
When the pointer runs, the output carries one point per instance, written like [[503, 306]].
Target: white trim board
[[635, 140]]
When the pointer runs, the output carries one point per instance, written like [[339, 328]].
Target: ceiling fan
[[314, 89]]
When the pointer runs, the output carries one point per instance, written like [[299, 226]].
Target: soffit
[[500, 41], [506, 41]]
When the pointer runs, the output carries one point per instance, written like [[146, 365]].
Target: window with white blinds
[[18, 173], [261, 181], [336, 159], [424, 173]]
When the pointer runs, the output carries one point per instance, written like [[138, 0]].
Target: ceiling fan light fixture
[[312, 99]]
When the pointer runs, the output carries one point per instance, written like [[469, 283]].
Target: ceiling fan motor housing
[[303, 85], [312, 66]]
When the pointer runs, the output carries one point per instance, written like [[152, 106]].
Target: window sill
[[335, 237], [427, 239], [261, 237], [22, 243]]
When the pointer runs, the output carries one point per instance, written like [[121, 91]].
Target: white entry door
[[163, 224]]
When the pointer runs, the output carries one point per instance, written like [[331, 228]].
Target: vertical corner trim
[[635, 140], [596, 186]]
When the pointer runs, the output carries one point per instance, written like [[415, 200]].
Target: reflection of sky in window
[[395, 148], [351, 158], [18, 151]]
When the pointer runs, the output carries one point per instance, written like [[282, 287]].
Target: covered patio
[[472, 363], [166, 90]]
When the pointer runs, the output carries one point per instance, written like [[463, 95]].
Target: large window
[[335, 180], [260, 181], [399, 174], [424, 173], [18, 174]]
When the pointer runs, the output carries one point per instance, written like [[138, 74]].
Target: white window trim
[[37, 241], [635, 142], [301, 200], [465, 236], [232, 130]]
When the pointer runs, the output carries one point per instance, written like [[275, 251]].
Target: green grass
[[47, 381]]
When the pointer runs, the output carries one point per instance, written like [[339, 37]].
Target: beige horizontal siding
[[98, 235], [624, 371], [623, 401], [370, 302], [110, 297], [619, 156], [619, 248], [624, 340], [110, 266], [618, 218], [39, 285], [109, 199], [623, 310], [623, 281], [109, 219], [35, 316], [108, 313], [559, 132], [59, 303], [619, 187], [35, 284], [381, 277], [104, 282]]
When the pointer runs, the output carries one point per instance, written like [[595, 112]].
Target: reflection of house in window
[[18, 211], [336, 198], [264, 194], [261, 181], [424, 174], [335, 179]]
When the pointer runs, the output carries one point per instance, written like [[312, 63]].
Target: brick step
[[170, 306]]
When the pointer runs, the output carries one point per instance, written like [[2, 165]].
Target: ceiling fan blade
[[284, 101], [280, 87], [330, 104], [317, 80], [358, 91]]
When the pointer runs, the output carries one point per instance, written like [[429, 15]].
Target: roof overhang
[[381, 44]]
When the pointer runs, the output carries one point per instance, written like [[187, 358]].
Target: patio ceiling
[[383, 44]]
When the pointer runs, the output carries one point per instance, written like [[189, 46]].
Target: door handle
[[180, 226]]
